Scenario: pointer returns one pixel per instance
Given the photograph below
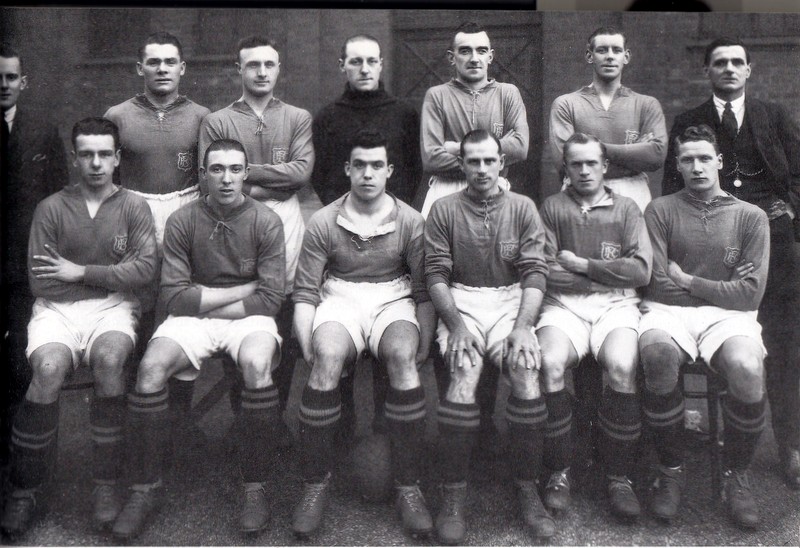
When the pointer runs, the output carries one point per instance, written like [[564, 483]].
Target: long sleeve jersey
[[611, 234], [204, 248], [332, 244], [159, 145], [336, 124], [485, 243], [117, 246], [629, 116], [452, 110], [279, 147], [708, 240]]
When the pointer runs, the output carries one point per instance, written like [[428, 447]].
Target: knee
[[152, 374], [622, 373], [524, 382], [398, 356], [745, 378], [49, 372], [257, 372], [661, 364], [108, 362], [553, 371]]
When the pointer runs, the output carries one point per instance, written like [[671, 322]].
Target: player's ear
[[347, 168], [719, 160], [117, 156], [588, 54], [341, 65], [139, 68], [23, 82], [238, 67], [389, 170], [627, 57], [246, 173], [502, 161], [183, 67], [605, 166], [451, 57], [491, 56]]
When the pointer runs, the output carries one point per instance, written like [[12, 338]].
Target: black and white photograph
[[385, 275]]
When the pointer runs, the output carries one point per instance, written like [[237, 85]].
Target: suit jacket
[[34, 167], [777, 138]]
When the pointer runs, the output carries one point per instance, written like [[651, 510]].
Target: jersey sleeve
[[292, 175], [438, 255], [45, 231], [271, 269], [516, 139], [312, 262], [139, 266], [562, 126], [415, 259], [435, 158], [179, 295], [647, 156], [530, 262]]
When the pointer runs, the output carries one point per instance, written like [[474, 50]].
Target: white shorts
[[438, 188], [77, 325], [366, 309], [201, 338], [488, 312], [700, 330], [293, 229], [587, 319], [164, 205]]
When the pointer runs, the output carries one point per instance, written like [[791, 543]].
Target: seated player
[[91, 244], [221, 283], [486, 271], [710, 262], [598, 253], [371, 246]]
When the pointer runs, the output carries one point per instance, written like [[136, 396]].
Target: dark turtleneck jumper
[[337, 122]]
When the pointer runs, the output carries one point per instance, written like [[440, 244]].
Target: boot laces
[[412, 497]]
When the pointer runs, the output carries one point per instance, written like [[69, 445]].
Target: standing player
[[710, 259], [158, 132], [33, 167], [598, 253], [470, 101], [277, 139], [760, 145], [365, 104], [487, 314], [372, 247], [91, 244], [630, 125], [222, 283]]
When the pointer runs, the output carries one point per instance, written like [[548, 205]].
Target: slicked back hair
[[723, 41], [583, 139], [8, 51], [161, 38], [468, 27], [479, 136], [606, 31], [358, 38], [255, 41], [95, 126], [703, 132], [224, 144]]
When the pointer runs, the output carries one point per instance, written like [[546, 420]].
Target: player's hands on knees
[[56, 267], [462, 349], [743, 270], [521, 349]]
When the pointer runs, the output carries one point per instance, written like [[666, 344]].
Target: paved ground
[[201, 503]]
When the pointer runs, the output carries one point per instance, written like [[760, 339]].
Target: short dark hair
[[467, 27], [605, 31], [583, 139], [703, 132], [369, 138], [95, 126], [161, 38], [8, 51], [255, 41], [358, 38], [224, 144], [724, 41], [479, 136]]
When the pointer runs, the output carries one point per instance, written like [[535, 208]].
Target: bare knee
[[622, 373], [49, 371], [553, 370], [153, 374], [745, 375], [524, 383], [463, 383]]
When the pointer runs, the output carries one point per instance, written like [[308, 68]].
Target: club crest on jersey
[[631, 136], [509, 250], [497, 129], [610, 251], [280, 155], [732, 256], [185, 160], [247, 267], [120, 244]]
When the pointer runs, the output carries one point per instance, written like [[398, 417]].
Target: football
[[371, 467]]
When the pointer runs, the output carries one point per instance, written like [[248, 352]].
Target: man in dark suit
[[33, 167], [760, 144]]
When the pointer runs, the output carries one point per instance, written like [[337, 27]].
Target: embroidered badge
[[185, 160], [279, 155], [247, 267], [631, 136], [610, 251], [732, 256], [120, 244], [497, 129], [509, 250]]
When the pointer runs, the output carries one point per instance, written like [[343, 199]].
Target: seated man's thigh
[[740, 360], [398, 349], [255, 344], [163, 358], [333, 347], [49, 325], [194, 337]]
